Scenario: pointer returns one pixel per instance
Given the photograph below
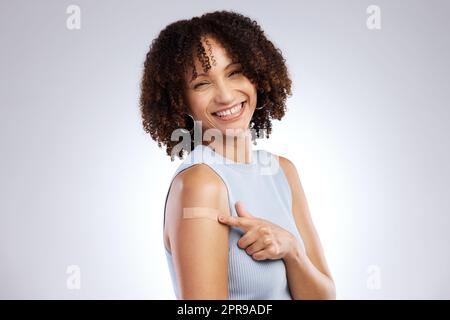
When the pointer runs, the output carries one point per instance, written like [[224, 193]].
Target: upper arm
[[303, 218], [199, 246]]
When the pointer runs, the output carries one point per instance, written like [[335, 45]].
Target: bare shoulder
[[298, 195], [198, 178], [199, 245], [197, 186], [293, 178], [302, 217], [289, 170]]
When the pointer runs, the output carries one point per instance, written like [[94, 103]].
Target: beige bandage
[[201, 213]]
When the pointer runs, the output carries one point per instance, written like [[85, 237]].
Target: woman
[[236, 226]]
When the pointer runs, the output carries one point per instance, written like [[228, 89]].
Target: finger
[[252, 235], [240, 210], [258, 245], [238, 222], [248, 238], [261, 255]]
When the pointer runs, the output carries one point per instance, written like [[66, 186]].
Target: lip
[[232, 117], [223, 109]]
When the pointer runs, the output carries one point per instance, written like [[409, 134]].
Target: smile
[[231, 113]]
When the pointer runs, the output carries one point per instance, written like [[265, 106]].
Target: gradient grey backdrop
[[367, 127]]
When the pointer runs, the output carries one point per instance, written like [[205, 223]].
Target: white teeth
[[230, 111]]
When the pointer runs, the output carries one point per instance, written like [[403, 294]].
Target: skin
[[200, 246], [222, 86], [307, 271]]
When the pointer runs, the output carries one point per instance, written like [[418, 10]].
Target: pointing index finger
[[238, 222]]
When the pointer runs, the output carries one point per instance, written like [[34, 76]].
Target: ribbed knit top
[[264, 191]]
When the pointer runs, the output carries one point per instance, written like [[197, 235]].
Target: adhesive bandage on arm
[[201, 213]]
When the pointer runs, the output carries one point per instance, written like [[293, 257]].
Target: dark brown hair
[[162, 103]]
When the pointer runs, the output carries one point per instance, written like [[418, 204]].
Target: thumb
[[241, 212]]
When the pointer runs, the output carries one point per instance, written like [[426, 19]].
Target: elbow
[[204, 295], [324, 291], [327, 291], [330, 292]]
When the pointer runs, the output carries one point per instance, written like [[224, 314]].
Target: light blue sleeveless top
[[264, 191]]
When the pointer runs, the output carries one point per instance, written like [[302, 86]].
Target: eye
[[235, 72], [199, 84]]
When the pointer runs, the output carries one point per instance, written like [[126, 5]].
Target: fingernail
[[221, 218]]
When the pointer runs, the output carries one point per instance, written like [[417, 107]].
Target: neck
[[236, 148]]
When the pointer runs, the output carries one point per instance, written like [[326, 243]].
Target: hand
[[262, 239]]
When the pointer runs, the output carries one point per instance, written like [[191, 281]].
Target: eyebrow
[[204, 74]]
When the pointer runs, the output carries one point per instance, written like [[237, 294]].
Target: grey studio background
[[82, 187]]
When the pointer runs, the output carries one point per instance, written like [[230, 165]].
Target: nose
[[224, 93]]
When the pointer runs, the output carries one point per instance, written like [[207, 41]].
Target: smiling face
[[223, 98]]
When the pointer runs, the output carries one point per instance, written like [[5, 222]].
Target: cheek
[[198, 104], [250, 90], [249, 86]]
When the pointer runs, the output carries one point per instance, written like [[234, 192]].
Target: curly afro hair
[[162, 102]]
